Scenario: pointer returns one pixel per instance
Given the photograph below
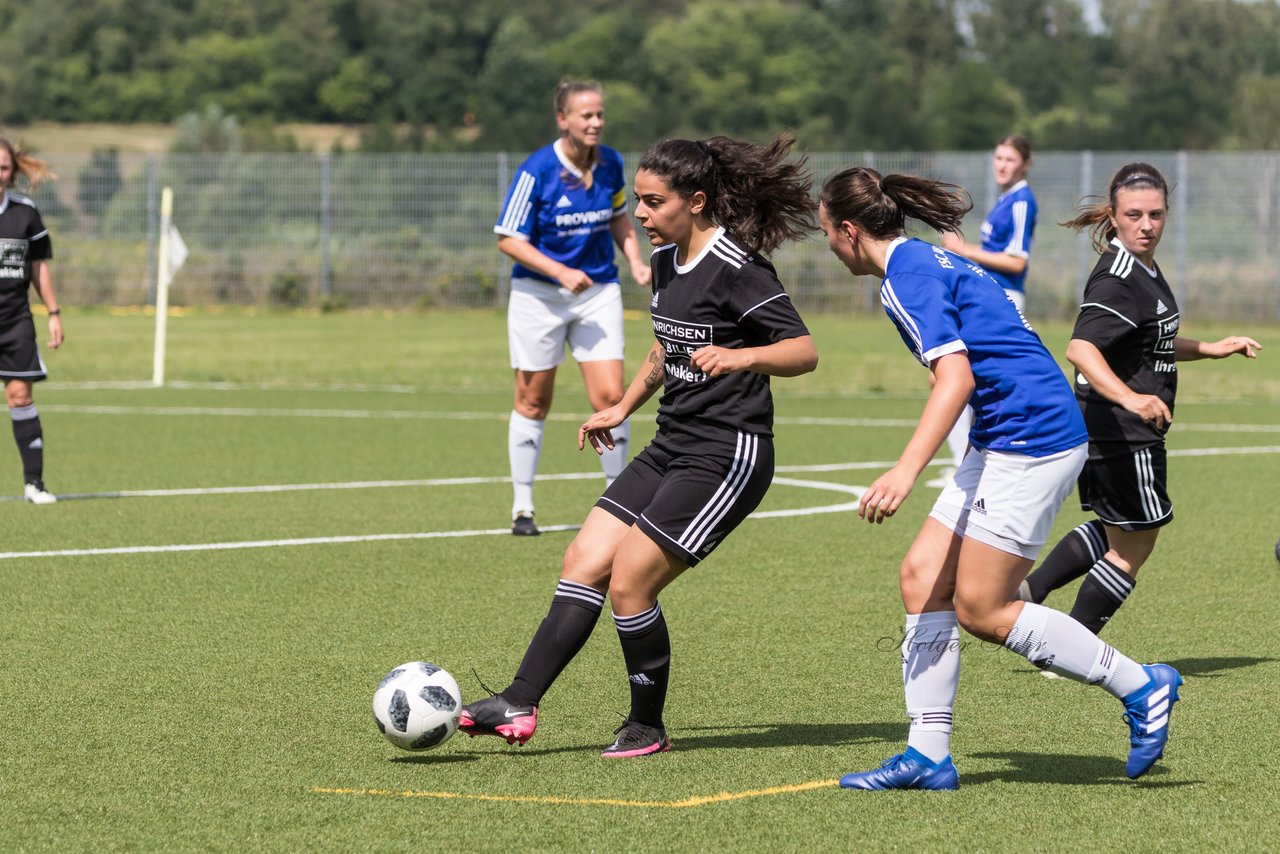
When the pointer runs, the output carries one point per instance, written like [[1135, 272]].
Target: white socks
[[524, 444], [1053, 641], [930, 676], [613, 462]]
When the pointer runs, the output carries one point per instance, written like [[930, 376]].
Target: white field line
[[432, 415], [431, 535]]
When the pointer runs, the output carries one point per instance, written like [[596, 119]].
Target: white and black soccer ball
[[417, 706]]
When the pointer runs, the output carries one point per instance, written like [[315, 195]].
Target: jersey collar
[[4, 200], [566, 162], [1115, 241], [888, 253], [693, 262], [1015, 188]]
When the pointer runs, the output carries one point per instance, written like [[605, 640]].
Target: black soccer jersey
[[23, 239], [730, 298], [1130, 315]]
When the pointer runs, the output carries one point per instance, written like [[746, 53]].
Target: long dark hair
[[1096, 216], [753, 191], [880, 204]]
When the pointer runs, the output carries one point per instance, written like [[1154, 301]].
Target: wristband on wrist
[[55, 312]]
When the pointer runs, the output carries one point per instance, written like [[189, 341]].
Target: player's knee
[[922, 582], [587, 564], [534, 408], [980, 618]]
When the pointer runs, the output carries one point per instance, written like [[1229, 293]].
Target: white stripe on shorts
[[744, 463], [1146, 484]]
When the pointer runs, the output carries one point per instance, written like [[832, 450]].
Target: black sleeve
[[764, 309], [1107, 312], [39, 246]]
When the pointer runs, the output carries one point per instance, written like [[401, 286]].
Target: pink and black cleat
[[637, 739], [495, 716]]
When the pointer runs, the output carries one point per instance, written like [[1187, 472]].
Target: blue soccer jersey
[[1008, 230], [942, 304], [549, 205]]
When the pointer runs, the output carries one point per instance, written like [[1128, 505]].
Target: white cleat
[[36, 494]]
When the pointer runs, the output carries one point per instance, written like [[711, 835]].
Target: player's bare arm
[[1090, 362], [596, 429], [527, 255], [790, 357], [1189, 349], [947, 399]]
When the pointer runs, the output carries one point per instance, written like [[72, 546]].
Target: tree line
[[844, 74]]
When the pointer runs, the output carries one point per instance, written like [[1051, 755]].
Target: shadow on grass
[[753, 736], [1066, 769], [434, 758], [1210, 667]]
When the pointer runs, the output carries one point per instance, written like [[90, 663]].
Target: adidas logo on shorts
[[980, 506]]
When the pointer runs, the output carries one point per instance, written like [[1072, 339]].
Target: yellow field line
[[697, 801]]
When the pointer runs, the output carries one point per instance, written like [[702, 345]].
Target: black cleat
[[523, 526], [637, 739]]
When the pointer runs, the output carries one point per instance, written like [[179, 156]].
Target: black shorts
[[687, 501], [1128, 492], [19, 355]]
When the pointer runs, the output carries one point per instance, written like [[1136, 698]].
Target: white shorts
[[1009, 501], [542, 317], [1019, 299]]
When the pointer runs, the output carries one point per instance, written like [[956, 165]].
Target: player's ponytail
[[1096, 216], [755, 192], [880, 204], [31, 168]]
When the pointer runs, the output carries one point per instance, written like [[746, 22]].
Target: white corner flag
[[172, 254], [177, 250]]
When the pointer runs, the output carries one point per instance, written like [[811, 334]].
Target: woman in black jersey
[[25, 251], [723, 325], [1125, 348]]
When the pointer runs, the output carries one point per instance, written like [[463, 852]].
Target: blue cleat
[[908, 770], [1147, 712]]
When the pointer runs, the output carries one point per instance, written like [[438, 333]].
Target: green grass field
[[194, 633]]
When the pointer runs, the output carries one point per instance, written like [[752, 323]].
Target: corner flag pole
[[164, 275]]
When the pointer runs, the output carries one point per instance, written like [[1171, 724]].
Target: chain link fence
[[414, 231]]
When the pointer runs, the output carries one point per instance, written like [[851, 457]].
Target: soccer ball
[[417, 706]]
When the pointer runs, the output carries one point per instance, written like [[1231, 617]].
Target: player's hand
[[574, 280], [55, 332], [1150, 409], [642, 275], [598, 429], [1241, 344], [883, 498], [717, 361]]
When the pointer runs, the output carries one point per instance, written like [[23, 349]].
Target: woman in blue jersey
[[1008, 229], [723, 325], [24, 261], [564, 211], [1004, 251], [1125, 347], [988, 524]]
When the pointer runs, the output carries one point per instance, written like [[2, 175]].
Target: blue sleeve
[[924, 310], [1023, 217], [519, 215]]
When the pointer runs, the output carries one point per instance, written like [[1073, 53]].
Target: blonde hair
[[31, 168]]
